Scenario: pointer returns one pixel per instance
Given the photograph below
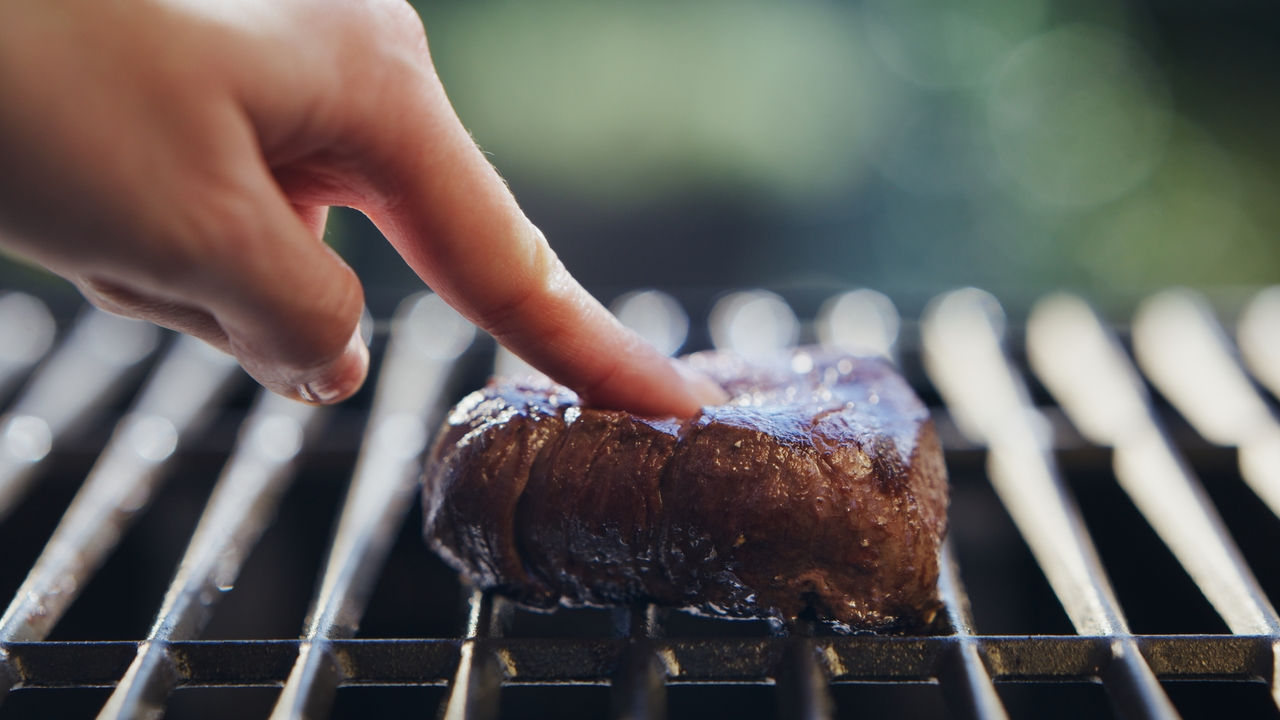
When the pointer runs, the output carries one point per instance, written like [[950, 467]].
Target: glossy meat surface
[[820, 486]]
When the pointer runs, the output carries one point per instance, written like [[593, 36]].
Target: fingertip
[[340, 378], [699, 389], [660, 387]]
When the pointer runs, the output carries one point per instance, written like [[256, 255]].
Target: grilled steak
[[820, 486]]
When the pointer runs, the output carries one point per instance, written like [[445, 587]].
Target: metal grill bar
[[240, 507], [964, 678], [1187, 355], [427, 338], [860, 321], [474, 692], [802, 682], [962, 352], [753, 323], [1183, 349], [26, 332], [1259, 336], [508, 364], [84, 372], [640, 683], [1088, 373], [172, 405], [476, 687], [542, 661], [1274, 679]]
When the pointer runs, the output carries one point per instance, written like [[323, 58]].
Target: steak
[[818, 488]]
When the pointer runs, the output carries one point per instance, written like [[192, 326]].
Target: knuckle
[[384, 63], [226, 216]]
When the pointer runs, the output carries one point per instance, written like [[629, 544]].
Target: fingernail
[[703, 389], [340, 378]]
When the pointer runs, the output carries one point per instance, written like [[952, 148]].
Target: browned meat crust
[[819, 485]]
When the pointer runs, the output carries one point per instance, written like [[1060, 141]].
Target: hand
[[175, 159]]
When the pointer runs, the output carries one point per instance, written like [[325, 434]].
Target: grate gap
[[1007, 591], [120, 600], [45, 703], [923, 701], [566, 702], [1159, 596], [362, 703], [1207, 700], [1056, 701], [219, 703], [1254, 527], [697, 702], [395, 612], [270, 597]]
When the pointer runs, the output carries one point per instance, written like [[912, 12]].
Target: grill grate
[[991, 412]]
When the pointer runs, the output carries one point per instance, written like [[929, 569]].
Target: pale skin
[[176, 159]]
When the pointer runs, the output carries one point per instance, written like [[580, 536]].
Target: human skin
[[176, 159]]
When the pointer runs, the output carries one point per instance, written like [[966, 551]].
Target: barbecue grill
[[1116, 507]]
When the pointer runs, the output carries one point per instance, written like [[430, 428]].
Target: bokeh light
[[1078, 116], [940, 44]]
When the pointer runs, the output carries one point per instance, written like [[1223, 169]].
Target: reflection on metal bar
[[26, 332], [753, 323], [508, 364], [639, 685], [426, 340], [173, 404], [1087, 371], [963, 677], [656, 316], [1259, 335], [476, 688], [962, 353], [860, 321], [242, 504], [1183, 349], [83, 373], [802, 682], [1275, 672]]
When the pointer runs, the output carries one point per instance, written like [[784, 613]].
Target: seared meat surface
[[820, 486]]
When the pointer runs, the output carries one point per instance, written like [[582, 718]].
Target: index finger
[[452, 218]]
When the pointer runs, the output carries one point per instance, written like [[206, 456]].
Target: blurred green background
[[1019, 145]]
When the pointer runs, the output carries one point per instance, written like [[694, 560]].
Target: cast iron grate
[[1017, 444]]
